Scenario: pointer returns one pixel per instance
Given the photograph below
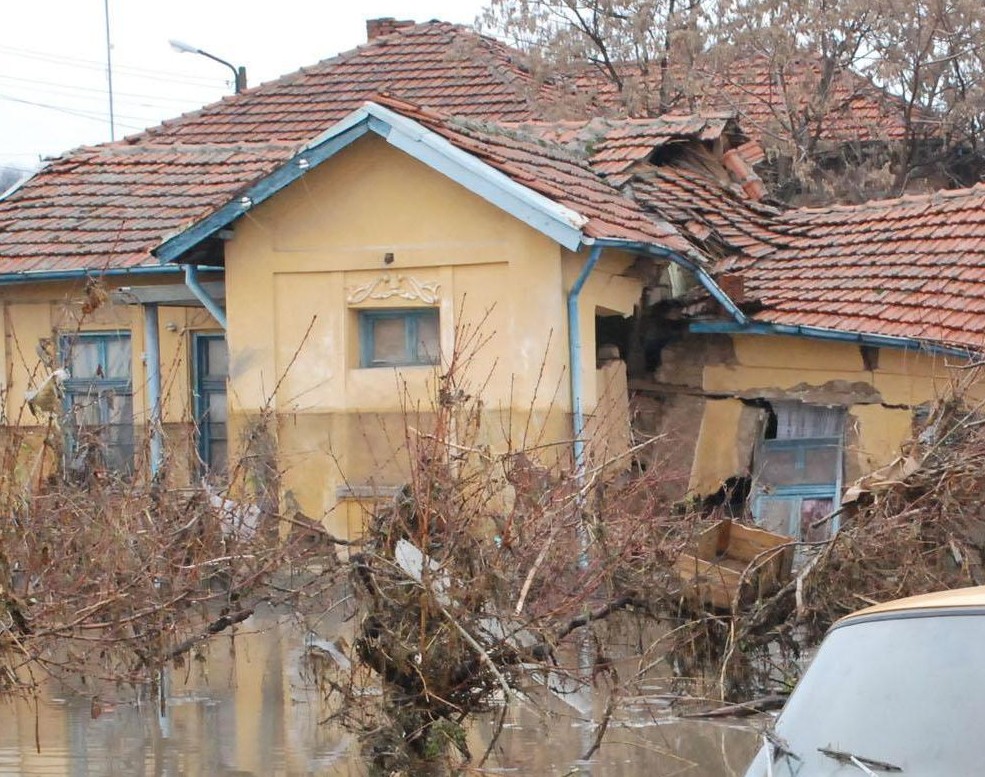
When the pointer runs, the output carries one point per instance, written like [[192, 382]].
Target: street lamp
[[239, 73]]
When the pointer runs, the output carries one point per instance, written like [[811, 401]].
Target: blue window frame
[[798, 473], [98, 402], [211, 361], [398, 337]]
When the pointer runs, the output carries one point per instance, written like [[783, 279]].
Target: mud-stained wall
[[372, 228], [879, 389], [36, 315]]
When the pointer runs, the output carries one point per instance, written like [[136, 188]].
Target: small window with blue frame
[[98, 402], [398, 337], [798, 470]]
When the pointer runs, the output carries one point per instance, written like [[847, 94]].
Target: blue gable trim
[[558, 222], [263, 190]]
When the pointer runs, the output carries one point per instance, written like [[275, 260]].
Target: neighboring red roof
[[751, 90], [435, 64], [108, 206], [909, 267]]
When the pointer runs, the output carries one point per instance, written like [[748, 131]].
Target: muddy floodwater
[[250, 707]]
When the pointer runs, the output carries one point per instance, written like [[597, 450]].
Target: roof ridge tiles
[[497, 62]]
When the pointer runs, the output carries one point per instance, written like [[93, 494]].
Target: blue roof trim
[[558, 222], [692, 264], [283, 176], [817, 333]]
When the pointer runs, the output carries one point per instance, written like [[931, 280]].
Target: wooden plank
[[747, 543], [721, 562]]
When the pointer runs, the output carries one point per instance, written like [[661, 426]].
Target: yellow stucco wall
[[302, 265], [37, 314], [879, 401]]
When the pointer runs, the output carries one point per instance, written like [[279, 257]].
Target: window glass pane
[[389, 340], [428, 343], [85, 409], [118, 358], [811, 513], [775, 514], [216, 408], [218, 457], [795, 420], [789, 465], [218, 357], [84, 358]]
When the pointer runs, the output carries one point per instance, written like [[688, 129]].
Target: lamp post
[[239, 73]]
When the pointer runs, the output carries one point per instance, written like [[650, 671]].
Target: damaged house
[[291, 265]]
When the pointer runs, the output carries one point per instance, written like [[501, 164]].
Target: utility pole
[[109, 73]]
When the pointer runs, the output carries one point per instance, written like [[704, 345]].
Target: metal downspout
[[574, 360], [152, 360], [191, 281]]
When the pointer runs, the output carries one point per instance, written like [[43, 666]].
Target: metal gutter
[[690, 264], [152, 360], [818, 333], [574, 358], [36, 276], [195, 287]]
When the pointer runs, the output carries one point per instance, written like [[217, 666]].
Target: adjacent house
[[275, 284]]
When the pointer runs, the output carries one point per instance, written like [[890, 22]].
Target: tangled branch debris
[[915, 527]]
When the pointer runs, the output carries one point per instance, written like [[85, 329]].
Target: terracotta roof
[[614, 145], [550, 170], [111, 206], [435, 64], [911, 267], [857, 110], [108, 206], [713, 213], [750, 89]]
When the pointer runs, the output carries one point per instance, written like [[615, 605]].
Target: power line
[[134, 72], [70, 112], [67, 89]]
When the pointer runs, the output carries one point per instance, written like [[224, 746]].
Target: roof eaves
[[558, 222], [693, 263], [821, 333], [174, 247]]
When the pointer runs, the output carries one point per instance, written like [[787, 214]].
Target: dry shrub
[[115, 581], [485, 567]]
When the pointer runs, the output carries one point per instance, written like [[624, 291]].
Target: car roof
[[960, 597]]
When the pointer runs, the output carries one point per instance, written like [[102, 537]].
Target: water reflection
[[248, 708]]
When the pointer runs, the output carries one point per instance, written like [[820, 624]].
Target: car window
[[905, 690]]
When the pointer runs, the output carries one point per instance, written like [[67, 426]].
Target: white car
[[895, 688]]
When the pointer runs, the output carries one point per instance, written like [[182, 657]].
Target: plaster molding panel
[[390, 286]]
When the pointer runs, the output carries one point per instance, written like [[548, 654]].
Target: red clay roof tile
[[106, 207]]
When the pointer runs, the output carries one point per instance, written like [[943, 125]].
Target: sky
[[53, 74]]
